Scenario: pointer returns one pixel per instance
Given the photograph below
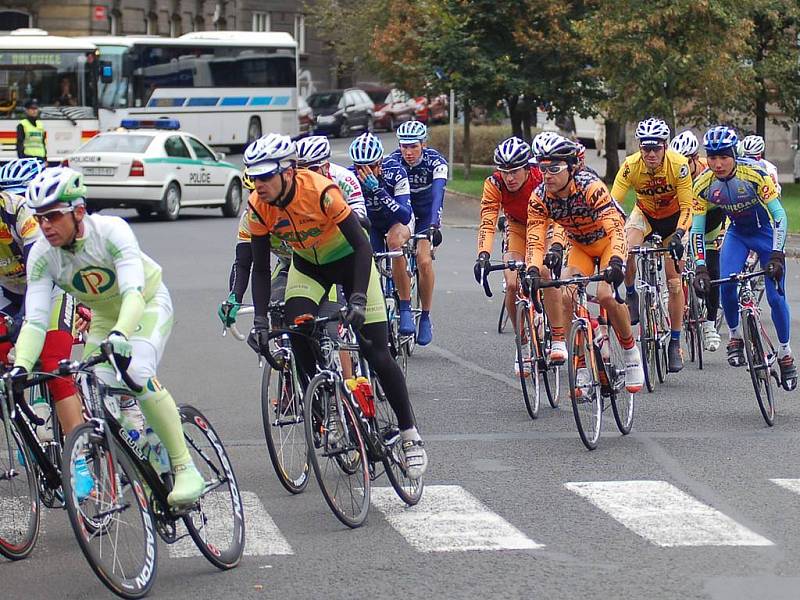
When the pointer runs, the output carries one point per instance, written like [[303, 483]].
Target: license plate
[[103, 171]]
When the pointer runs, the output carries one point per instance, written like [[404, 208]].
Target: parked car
[[433, 110], [305, 116], [152, 166], [340, 112], [392, 107]]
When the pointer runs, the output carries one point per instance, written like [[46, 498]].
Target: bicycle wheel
[[20, 510], [123, 553], [586, 400], [409, 490], [647, 340], [503, 320], [622, 401], [660, 347], [688, 319], [282, 417], [528, 371], [397, 348], [336, 451], [758, 365], [416, 311], [696, 320], [551, 373], [217, 526]]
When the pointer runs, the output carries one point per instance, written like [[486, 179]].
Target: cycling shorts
[[648, 226], [515, 239], [377, 234], [587, 258], [424, 217]]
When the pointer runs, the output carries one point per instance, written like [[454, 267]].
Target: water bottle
[[41, 408], [132, 419], [157, 454]]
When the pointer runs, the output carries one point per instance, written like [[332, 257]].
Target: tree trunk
[[515, 115], [466, 149], [612, 150], [761, 108]]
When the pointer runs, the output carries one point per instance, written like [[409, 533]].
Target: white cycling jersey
[[772, 171], [351, 188]]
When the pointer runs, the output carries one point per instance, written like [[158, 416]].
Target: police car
[[152, 166]]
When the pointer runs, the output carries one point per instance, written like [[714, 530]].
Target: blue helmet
[[366, 149], [15, 175], [411, 132], [720, 139]]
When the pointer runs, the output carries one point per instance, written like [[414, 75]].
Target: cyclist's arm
[[240, 270], [536, 231], [622, 183], [698, 235], [683, 190], [437, 190], [490, 210], [609, 216], [37, 310], [262, 285], [124, 250], [779, 223], [397, 207], [559, 234]]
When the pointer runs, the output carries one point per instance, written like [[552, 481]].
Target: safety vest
[[33, 144]]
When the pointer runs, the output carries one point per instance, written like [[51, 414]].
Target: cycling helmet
[[752, 145], [248, 182], [652, 130], [56, 185], [558, 148], [411, 132], [541, 138], [685, 143], [273, 153], [15, 175], [581, 153], [512, 154], [720, 140], [313, 151], [366, 149]]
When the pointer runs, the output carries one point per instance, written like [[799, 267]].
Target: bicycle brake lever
[[486, 289]]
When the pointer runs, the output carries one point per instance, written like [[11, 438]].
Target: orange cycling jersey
[[587, 215], [661, 194], [496, 195], [309, 223]]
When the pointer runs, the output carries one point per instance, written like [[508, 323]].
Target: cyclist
[[388, 199], [752, 146], [593, 224], [660, 176], [329, 247], [97, 260], [747, 195], [427, 176], [510, 188], [686, 143], [582, 160]]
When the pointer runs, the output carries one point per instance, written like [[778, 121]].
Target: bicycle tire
[[688, 318], [409, 490], [759, 368], [337, 451], [117, 490], [647, 340], [698, 318], [18, 530], [579, 343], [528, 372], [416, 311], [503, 320], [282, 418], [661, 348], [552, 373], [397, 348], [623, 402]]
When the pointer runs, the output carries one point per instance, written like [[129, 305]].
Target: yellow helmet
[[248, 182]]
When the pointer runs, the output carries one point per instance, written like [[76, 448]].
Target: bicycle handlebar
[[511, 265], [744, 276], [583, 280]]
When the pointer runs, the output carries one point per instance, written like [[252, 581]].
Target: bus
[[59, 72], [225, 87]]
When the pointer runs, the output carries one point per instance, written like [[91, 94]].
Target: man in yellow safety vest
[[31, 136]]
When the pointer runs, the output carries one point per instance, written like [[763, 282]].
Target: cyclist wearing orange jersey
[[663, 185], [593, 224], [308, 212], [509, 188], [686, 143]]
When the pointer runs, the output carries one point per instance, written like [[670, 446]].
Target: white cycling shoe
[[416, 458], [634, 373], [558, 352], [711, 339]]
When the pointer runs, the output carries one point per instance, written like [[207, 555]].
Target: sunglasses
[[554, 169], [650, 149], [264, 177], [51, 216]]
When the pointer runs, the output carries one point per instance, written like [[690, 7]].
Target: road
[[700, 501]]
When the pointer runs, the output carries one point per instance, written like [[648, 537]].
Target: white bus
[[225, 87], [61, 73]]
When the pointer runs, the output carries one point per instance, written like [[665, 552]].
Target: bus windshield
[[60, 80]]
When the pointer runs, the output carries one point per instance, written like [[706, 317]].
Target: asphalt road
[[684, 507]]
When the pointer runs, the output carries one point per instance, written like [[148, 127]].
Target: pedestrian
[[31, 136]]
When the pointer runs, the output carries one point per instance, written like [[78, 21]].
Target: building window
[[261, 21], [14, 19], [300, 32]]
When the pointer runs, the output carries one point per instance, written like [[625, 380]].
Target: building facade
[[316, 69]]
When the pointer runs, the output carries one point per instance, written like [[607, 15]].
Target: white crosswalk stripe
[[262, 536], [449, 519], [793, 485], [665, 515]]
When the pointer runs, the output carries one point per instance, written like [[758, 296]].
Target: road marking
[[665, 515], [262, 536], [793, 485], [449, 519]]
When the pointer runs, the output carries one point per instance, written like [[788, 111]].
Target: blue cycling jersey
[[428, 179], [391, 202]]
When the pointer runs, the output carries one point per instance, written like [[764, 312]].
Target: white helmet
[[57, 185], [753, 145], [313, 151], [273, 153], [540, 139], [685, 143], [652, 129]]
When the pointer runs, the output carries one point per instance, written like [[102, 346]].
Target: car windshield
[[117, 142], [378, 96], [329, 100]]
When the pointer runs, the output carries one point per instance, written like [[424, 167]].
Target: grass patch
[[472, 186]]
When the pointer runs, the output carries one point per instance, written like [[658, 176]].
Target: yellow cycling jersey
[[660, 194]]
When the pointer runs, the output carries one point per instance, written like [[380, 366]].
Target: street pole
[[451, 150]]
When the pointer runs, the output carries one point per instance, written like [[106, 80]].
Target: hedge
[[484, 140]]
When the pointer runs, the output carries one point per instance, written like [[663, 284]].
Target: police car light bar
[[162, 123]]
